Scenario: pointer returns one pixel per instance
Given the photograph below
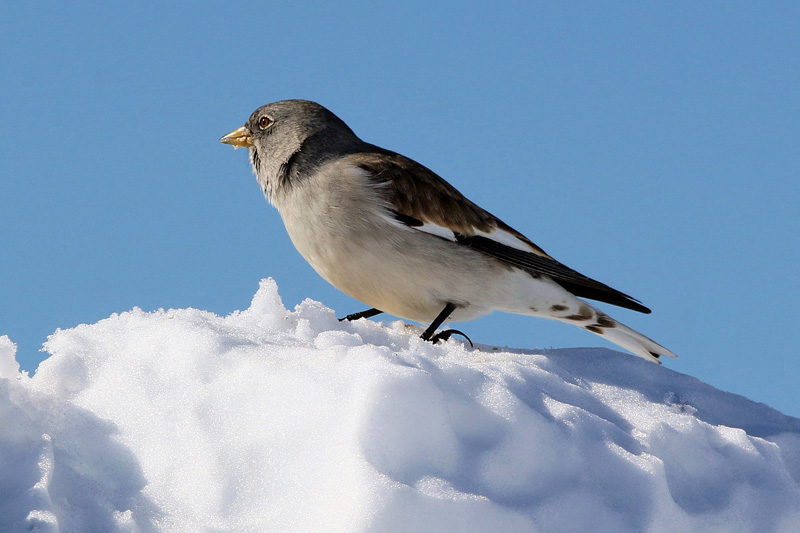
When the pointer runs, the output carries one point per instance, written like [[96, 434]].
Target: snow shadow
[[63, 469]]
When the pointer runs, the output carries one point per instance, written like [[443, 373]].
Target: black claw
[[363, 314], [446, 334], [428, 334]]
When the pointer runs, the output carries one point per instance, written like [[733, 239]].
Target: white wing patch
[[435, 229], [426, 227], [498, 235], [509, 239]]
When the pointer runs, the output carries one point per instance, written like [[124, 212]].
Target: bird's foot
[[363, 314], [446, 334]]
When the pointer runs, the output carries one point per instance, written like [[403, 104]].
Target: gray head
[[289, 138]]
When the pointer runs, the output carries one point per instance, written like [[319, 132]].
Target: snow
[[277, 420]]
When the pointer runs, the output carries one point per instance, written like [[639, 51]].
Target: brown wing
[[420, 196], [418, 192]]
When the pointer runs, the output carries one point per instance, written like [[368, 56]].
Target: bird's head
[[287, 138]]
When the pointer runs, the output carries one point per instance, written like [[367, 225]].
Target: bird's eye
[[264, 122]]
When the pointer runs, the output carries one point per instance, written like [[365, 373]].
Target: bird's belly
[[397, 272]]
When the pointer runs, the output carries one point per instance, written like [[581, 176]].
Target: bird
[[396, 236]]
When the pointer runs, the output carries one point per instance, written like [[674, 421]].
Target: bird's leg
[[428, 334], [363, 314]]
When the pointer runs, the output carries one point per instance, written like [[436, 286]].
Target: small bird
[[394, 235]]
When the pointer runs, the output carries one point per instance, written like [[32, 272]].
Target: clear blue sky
[[653, 147]]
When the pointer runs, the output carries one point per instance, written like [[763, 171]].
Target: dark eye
[[264, 122]]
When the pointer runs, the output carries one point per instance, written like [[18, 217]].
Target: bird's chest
[[329, 226]]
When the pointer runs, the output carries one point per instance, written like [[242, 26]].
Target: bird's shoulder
[[421, 200], [420, 197]]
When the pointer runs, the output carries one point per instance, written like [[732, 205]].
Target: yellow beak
[[237, 138]]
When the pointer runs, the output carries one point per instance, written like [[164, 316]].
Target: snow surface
[[271, 420]]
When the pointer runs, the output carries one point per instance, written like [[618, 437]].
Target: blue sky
[[652, 147]]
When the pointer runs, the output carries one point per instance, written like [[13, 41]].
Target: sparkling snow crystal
[[277, 420]]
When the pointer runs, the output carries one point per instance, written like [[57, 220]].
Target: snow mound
[[271, 420]]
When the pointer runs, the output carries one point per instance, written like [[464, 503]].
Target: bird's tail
[[635, 342], [601, 324]]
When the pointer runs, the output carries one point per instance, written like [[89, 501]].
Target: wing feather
[[423, 201]]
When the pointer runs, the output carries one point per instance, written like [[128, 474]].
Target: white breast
[[338, 222]]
